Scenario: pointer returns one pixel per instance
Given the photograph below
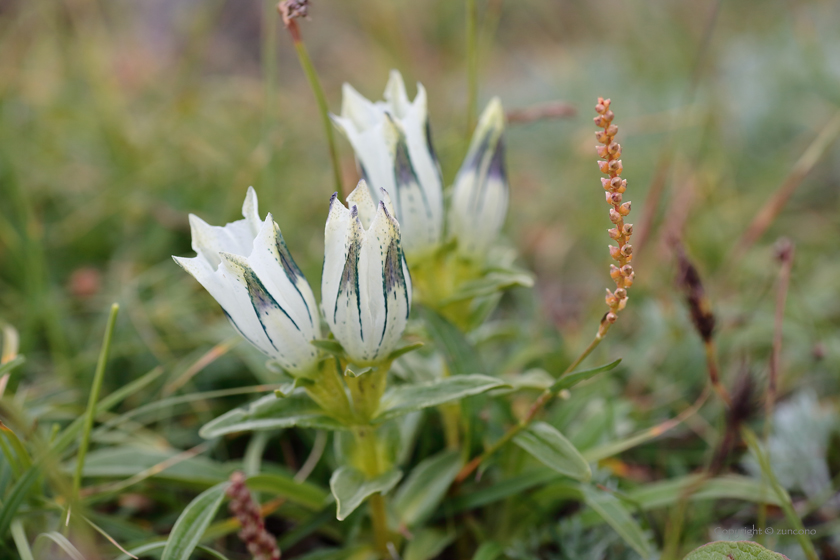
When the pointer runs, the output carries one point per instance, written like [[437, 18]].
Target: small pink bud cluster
[[614, 186], [261, 544]]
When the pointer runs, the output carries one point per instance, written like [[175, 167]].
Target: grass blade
[[98, 376], [193, 521], [63, 543], [19, 536]]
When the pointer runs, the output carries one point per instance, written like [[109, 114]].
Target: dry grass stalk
[[777, 202], [543, 111]]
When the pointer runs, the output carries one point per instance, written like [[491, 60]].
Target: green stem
[[320, 98], [98, 377], [372, 466], [538, 405], [269, 72], [472, 64], [781, 494]]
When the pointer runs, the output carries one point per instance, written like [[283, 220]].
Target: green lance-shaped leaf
[[417, 498], [271, 413], [305, 494], [550, 447], [130, 460], [489, 550], [734, 550], [63, 543], [611, 510], [350, 488], [572, 379], [407, 398], [428, 544], [495, 281], [192, 523]]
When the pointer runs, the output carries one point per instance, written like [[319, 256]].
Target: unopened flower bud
[[627, 229], [602, 151], [610, 317], [615, 166], [615, 217], [626, 270], [614, 233], [622, 186], [602, 137], [604, 166], [600, 121], [615, 183], [605, 182], [621, 293], [615, 252], [622, 303], [627, 250], [612, 130], [610, 298], [608, 197], [609, 115], [615, 273], [628, 281], [624, 209], [615, 198], [614, 148]]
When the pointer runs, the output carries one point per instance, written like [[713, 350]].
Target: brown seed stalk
[[261, 544], [622, 273], [688, 280]]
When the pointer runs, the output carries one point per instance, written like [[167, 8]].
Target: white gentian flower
[[246, 266], [480, 194], [365, 285], [393, 146]]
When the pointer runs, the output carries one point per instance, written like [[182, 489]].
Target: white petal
[[414, 210], [250, 211], [208, 241], [290, 342], [361, 197], [233, 299], [388, 284], [396, 96], [335, 254], [356, 108], [274, 266], [374, 152], [346, 315]]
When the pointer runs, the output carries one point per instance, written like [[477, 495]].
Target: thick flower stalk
[[480, 194], [622, 273], [261, 544], [365, 286], [392, 142], [247, 268]]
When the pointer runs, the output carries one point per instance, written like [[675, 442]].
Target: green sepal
[[331, 346], [353, 370], [404, 350]]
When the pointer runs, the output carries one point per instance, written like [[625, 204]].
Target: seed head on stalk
[[621, 272]]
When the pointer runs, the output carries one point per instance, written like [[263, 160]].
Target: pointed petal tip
[[494, 113]]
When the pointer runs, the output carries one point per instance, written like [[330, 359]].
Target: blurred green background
[[119, 118]]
